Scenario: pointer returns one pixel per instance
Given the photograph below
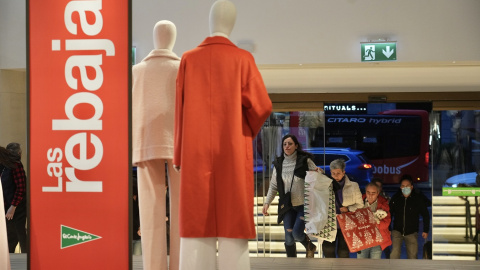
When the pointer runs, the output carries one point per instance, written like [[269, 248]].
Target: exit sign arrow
[[388, 53]]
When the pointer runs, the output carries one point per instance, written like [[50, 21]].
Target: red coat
[[221, 104], [382, 203]]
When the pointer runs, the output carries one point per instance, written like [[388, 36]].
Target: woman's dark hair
[[299, 146], [7, 158]]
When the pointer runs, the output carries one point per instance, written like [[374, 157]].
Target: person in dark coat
[[14, 188], [406, 207]]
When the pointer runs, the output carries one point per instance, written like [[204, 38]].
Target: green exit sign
[[378, 51]]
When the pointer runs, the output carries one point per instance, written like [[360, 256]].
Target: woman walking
[[289, 176]]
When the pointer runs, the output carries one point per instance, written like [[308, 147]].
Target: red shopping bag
[[359, 229]]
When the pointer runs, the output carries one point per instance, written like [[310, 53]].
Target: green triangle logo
[[72, 237]]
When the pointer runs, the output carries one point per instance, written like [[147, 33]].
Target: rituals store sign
[[78, 77]]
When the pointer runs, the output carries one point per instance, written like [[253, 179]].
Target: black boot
[[291, 250], [309, 246]]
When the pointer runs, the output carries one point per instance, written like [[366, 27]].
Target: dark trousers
[[16, 231], [339, 245]]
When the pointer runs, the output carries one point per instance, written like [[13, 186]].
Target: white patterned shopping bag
[[320, 217]]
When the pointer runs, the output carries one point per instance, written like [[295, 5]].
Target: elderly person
[[289, 176], [379, 183], [348, 198], [381, 210]]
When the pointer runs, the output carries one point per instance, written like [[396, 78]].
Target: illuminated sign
[[378, 51], [359, 108]]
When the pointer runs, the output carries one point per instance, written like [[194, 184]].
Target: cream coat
[[352, 197], [153, 106]]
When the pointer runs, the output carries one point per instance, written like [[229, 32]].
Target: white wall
[[328, 31], [296, 31], [12, 34]]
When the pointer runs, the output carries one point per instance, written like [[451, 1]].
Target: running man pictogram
[[369, 53]]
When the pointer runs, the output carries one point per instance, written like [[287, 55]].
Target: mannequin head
[[222, 18], [164, 35]]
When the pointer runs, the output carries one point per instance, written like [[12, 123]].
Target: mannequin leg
[[198, 253], [233, 254], [151, 202], [174, 188]]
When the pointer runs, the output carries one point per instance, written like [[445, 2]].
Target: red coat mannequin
[[221, 105]]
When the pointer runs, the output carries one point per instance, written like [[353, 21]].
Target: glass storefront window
[[455, 138], [456, 148], [383, 140]]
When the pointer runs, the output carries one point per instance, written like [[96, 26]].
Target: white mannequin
[[151, 166], [164, 35], [222, 18], [200, 253]]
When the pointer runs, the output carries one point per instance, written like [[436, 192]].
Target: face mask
[[406, 191]]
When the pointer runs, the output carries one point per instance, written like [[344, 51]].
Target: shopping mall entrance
[[434, 137]]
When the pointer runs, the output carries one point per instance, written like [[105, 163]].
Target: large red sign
[[79, 134]]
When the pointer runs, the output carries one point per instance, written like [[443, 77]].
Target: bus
[[395, 141]]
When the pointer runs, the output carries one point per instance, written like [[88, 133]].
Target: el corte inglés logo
[[72, 237]]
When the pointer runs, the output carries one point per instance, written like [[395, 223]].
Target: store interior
[[309, 55]]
